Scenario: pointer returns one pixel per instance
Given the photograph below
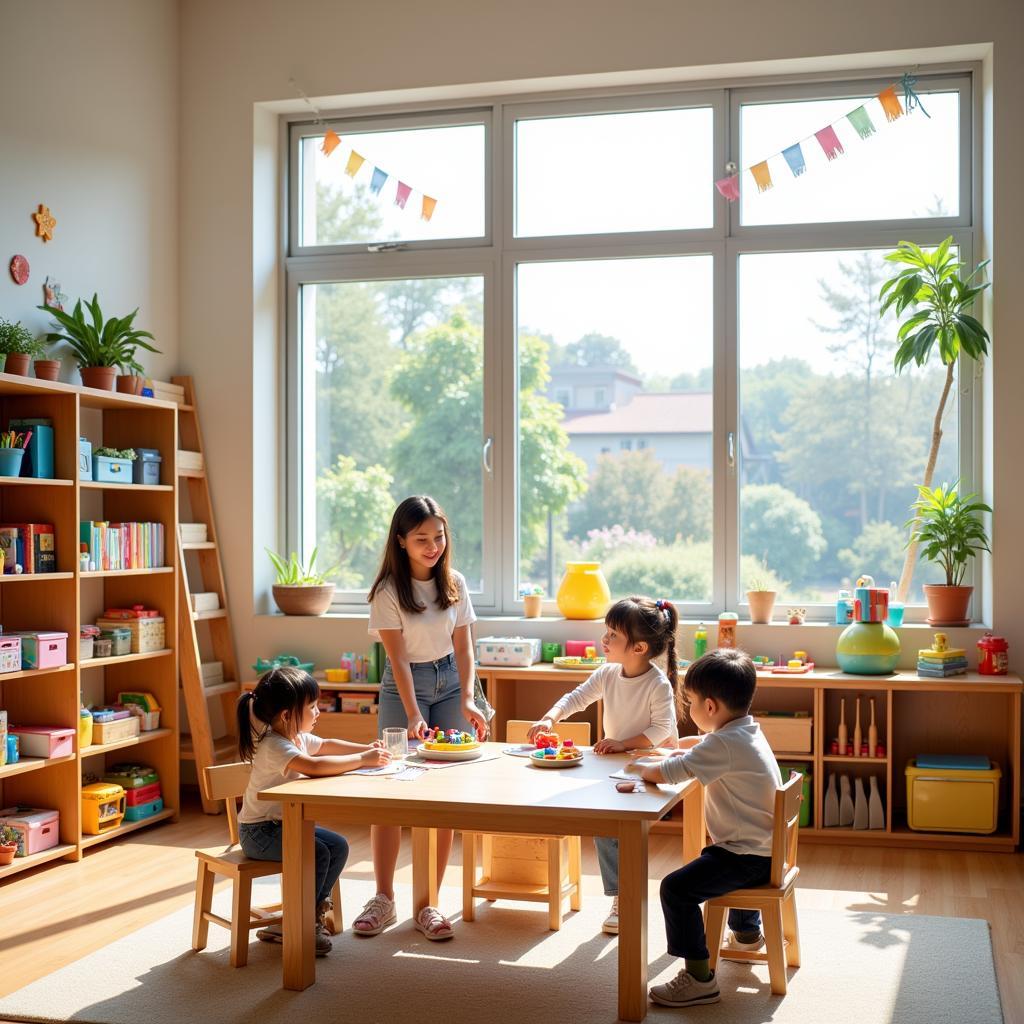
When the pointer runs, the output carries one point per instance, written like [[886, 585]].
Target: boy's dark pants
[[715, 872]]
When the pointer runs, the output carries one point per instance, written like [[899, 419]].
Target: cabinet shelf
[[130, 826], [33, 481], [99, 485], [842, 759], [31, 577], [124, 659], [34, 673], [105, 748], [105, 573], [33, 860], [31, 764]]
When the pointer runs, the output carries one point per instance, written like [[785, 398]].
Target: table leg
[[424, 868], [633, 920], [694, 826], [298, 871]]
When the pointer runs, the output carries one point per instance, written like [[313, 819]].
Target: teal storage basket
[[139, 812], [111, 471]]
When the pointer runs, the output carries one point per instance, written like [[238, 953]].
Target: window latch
[[385, 247], [731, 451], [486, 455]]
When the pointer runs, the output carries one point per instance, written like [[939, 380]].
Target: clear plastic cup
[[396, 742]]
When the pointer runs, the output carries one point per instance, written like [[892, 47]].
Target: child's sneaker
[[375, 916], [323, 941], [611, 922], [743, 941], [272, 933], [685, 990], [433, 924]]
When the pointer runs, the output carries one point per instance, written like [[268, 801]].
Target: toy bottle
[[700, 641], [727, 629], [844, 608]]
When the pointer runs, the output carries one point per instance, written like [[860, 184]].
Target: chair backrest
[[227, 782], [786, 828], [578, 732]]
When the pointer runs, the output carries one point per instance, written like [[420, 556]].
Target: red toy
[[992, 656]]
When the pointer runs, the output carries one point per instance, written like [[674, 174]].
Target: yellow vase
[[583, 592]]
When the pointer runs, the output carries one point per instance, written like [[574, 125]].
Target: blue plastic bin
[[111, 471]]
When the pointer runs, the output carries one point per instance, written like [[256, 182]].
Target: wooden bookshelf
[[64, 599], [969, 714]]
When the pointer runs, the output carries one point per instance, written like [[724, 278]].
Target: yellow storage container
[[953, 799], [103, 806]]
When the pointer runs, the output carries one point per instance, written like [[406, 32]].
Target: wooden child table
[[505, 794]]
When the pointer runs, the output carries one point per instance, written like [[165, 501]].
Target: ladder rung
[[216, 613], [197, 473], [205, 545], [224, 748]]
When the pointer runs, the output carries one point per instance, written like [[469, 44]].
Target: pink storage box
[[44, 740], [578, 648], [37, 829], [10, 653], [142, 795]]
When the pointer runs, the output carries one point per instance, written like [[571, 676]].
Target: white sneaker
[[685, 990], [733, 944], [611, 922], [375, 916]]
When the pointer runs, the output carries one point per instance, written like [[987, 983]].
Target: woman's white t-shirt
[[427, 634], [270, 763]]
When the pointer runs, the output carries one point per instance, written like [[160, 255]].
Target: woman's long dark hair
[[654, 623], [280, 689], [394, 565]]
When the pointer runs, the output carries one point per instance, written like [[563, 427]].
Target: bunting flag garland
[[402, 195], [827, 139], [332, 140], [355, 161], [428, 207], [377, 181]]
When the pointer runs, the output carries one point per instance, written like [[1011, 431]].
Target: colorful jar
[[727, 629], [583, 592], [993, 659], [868, 648], [844, 608]]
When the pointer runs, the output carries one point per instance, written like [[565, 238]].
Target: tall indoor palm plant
[[931, 283]]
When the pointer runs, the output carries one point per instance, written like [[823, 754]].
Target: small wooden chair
[[776, 901], [538, 869], [227, 782]]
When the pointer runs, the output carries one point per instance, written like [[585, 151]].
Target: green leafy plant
[[948, 526], [760, 583], [17, 339], [931, 282], [8, 836], [116, 453], [292, 573], [113, 342]]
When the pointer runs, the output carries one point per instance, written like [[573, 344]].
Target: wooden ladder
[[202, 746]]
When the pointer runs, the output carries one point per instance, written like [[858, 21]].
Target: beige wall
[[238, 55], [89, 126]]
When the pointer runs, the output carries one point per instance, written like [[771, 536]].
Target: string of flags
[[827, 139], [332, 140]]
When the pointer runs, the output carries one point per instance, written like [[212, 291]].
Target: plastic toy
[[727, 629], [575, 662], [941, 661], [868, 648], [796, 616], [282, 661], [993, 659], [546, 739], [437, 739], [554, 756]]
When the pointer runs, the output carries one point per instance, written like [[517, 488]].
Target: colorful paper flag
[[762, 176], [829, 141], [355, 161], [377, 181], [332, 140], [428, 207], [402, 195], [890, 103], [861, 122], [729, 187], [795, 158]]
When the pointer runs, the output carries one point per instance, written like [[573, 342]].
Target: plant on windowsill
[[8, 844], [19, 346], [102, 346], [931, 283], [533, 600], [948, 526], [298, 589], [760, 598]]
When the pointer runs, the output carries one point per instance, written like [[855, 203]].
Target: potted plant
[[761, 599], [949, 529], [102, 346], [19, 346], [298, 589], [930, 281], [8, 844], [533, 599]]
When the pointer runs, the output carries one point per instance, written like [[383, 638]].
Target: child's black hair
[[643, 620], [725, 675], [280, 689]]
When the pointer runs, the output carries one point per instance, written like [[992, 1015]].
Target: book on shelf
[[34, 546], [122, 546]]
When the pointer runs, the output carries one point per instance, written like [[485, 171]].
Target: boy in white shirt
[[740, 775]]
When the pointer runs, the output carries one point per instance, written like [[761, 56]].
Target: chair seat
[[758, 892], [232, 859]]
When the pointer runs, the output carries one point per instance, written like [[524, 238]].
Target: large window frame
[[497, 255]]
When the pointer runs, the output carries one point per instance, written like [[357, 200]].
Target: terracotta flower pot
[[303, 600], [47, 369], [99, 377], [947, 606], [7, 853], [129, 384], [532, 605], [17, 362], [762, 603]]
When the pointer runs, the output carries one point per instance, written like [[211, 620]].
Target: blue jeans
[[608, 862], [715, 872], [261, 840], [438, 693]]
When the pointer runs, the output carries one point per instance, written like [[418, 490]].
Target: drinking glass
[[396, 741]]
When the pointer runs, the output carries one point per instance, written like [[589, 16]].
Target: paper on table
[[384, 769], [625, 773], [409, 773]]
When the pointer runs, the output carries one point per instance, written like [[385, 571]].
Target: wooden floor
[[57, 914]]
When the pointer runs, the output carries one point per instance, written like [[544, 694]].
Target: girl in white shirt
[[420, 611], [641, 705], [275, 733]]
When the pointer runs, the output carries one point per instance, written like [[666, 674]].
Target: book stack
[[27, 548], [213, 673], [192, 461], [192, 533], [208, 602], [120, 546], [934, 664]]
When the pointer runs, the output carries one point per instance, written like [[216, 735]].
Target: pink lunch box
[[142, 795], [37, 829], [44, 740]]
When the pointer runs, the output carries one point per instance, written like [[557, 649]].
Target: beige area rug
[[858, 968]]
